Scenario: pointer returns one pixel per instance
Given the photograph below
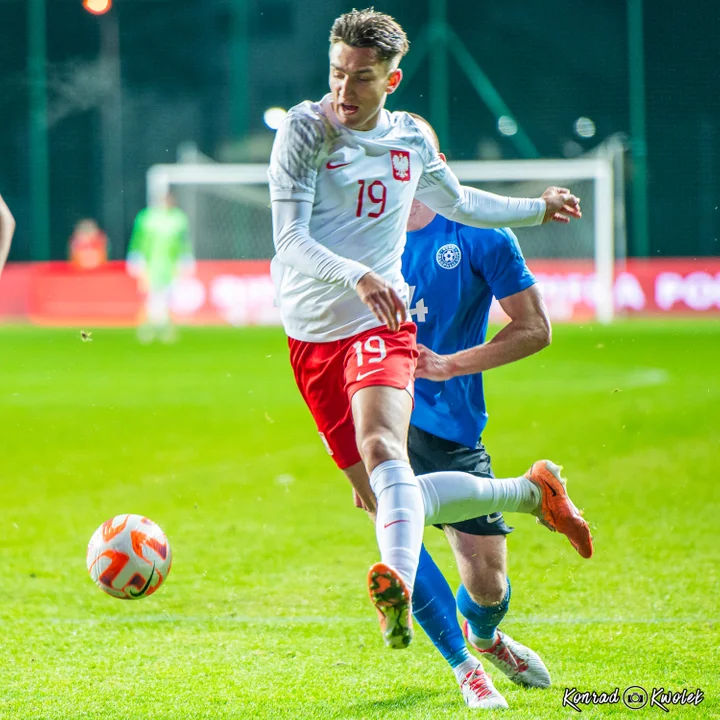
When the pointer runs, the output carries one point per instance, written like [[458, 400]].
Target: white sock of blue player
[[434, 608], [400, 517], [451, 496], [483, 620]]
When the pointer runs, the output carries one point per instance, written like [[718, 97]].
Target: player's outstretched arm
[[527, 333], [7, 228], [441, 191]]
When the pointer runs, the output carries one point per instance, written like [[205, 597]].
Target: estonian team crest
[[448, 256], [400, 164]]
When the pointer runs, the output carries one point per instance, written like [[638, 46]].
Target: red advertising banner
[[652, 286], [240, 292]]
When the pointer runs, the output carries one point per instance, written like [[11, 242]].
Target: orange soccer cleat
[[391, 598], [556, 511]]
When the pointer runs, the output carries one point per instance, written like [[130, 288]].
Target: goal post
[[229, 210], [598, 170]]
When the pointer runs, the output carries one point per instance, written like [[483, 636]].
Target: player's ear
[[393, 81], [442, 157]]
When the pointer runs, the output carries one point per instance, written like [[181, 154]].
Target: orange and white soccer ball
[[129, 557]]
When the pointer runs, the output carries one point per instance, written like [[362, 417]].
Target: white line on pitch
[[313, 620]]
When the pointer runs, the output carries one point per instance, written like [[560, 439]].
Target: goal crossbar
[[160, 178]]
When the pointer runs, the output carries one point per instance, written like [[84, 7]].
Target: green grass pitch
[[265, 613]]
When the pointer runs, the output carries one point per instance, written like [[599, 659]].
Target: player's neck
[[420, 216]]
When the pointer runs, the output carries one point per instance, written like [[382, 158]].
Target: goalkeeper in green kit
[[159, 252]]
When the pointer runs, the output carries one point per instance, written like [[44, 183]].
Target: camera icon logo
[[635, 697]]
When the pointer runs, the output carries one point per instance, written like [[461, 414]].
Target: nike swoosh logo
[[369, 372], [335, 166], [143, 589], [493, 519], [393, 523]]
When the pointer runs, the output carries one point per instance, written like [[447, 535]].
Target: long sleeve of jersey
[[292, 175], [441, 191], [297, 249]]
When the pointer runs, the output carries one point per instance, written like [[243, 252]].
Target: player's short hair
[[430, 130], [371, 29]]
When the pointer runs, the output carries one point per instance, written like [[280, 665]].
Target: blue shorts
[[429, 453]]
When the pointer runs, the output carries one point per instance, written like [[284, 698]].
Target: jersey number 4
[[376, 194], [420, 311]]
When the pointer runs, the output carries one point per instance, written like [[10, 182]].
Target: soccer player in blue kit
[[454, 271]]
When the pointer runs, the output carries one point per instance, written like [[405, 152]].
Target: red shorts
[[329, 374]]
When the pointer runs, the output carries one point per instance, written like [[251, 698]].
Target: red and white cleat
[[556, 511], [518, 663], [391, 599], [479, 692]]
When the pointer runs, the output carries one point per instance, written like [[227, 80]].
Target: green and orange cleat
[[391, 598], [556, 511]]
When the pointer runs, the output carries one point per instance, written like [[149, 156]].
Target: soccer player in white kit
[[343, 175]]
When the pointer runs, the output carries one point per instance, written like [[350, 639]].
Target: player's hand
[[561, 205], [357, 500], [382, 299], [431, 366]]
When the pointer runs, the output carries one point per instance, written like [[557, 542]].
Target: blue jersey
[[454, 271]]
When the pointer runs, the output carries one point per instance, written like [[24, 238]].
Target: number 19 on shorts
[[374, 347]]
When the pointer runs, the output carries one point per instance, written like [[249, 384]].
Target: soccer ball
[[129, 557]]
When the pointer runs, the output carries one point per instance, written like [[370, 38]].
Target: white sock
[[482, 643], [464, 668], [452, 496], [400, 517]]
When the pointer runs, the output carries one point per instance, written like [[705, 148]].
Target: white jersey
[[341, 200]]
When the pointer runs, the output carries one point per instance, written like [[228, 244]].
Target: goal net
[[229, 210]]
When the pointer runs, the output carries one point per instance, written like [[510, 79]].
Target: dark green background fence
[[205, 70]]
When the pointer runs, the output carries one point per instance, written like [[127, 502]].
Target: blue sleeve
[[496, 255]]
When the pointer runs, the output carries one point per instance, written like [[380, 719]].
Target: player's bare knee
[[376, 448], [487, 587]]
